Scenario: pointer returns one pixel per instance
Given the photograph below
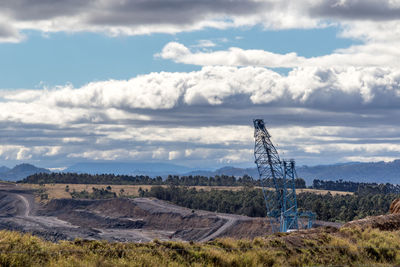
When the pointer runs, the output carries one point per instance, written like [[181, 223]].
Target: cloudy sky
[[180, 81]]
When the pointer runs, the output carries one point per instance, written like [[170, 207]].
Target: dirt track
[[120, 219]]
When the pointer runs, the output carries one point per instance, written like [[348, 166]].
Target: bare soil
[[388, 222], [395, 206]]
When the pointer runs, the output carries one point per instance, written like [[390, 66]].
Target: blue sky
[[180, 81], [79, 58]]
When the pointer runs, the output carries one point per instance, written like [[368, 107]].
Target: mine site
[[45, 207], [142, 219], [230, 133], [133, 220], [138, 219]]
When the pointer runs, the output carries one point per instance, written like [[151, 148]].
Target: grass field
[[55, 191], [344, 247]]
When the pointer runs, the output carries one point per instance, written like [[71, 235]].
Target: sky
[[180, 81]]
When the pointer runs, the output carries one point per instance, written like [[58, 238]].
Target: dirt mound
[[390, 222], [395, 206]]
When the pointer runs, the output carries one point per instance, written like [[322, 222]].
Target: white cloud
[[233, 57], [174, 155], [20, 152], [99, 102], [204, 44], [112, 154], [369, 159], [371, 54], [205, 116]]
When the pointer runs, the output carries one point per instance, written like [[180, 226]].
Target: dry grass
[[317, 247], [55, 191], [299, 190], [322, 192], [58, 190]]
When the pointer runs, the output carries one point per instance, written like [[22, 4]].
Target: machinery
[[281, 202]]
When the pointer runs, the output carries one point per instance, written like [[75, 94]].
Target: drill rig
[[280, 202]]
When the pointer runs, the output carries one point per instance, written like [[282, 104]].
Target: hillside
[[382, 172], [128, 168], [20, 171]]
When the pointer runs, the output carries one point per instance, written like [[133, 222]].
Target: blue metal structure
[[281, 204]]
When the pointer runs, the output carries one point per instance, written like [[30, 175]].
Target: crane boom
[[281, 204]]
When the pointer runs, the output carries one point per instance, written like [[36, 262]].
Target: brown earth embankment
[[387, 222], [395, 206]]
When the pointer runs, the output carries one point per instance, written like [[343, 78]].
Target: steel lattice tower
[[281, 204]]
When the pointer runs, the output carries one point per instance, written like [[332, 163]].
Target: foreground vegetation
[[250, 202], [313, 248]]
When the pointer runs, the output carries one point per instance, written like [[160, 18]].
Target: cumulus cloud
[[373, 54], [205, 116], [323, 88], [233, 57]]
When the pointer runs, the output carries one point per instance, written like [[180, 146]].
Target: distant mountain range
[[228, 170], [128, 168], [373, 172], [379, 172], [19, 172]]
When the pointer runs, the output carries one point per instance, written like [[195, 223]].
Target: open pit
[[121, 219]]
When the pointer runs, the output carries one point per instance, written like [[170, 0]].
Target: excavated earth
[[119, 219], [122, 219], [388, 222], [395, 206]]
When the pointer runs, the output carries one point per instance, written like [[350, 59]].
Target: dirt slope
[[154, 215], [389, 222], [395, 206]]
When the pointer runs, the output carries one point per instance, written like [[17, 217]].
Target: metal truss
[[281, 203]]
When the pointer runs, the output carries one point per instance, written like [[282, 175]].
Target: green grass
[[351, 246]]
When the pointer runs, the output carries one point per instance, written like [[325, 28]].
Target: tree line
[[196, 180], [356, 187], [250, 202]]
